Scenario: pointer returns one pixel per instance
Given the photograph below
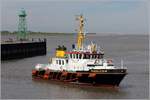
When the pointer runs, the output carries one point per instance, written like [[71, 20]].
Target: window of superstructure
[[77, 56], [70, 55], [95, 55], [66, 55], [84, 56], [92, 56], [88, 56], [62, 62], [74, 56], [98, 56], [66, 60], [56, 61], [59, 62], [80, 55]]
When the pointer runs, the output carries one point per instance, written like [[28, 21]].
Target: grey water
[[17, 83]]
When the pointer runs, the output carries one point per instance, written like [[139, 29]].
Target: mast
[[80, 37]]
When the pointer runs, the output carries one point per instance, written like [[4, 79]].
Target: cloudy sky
[[102, 16]]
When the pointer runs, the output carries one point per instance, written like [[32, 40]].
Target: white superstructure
[[80, 58]]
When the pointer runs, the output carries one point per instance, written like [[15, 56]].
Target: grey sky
[[102, 16]]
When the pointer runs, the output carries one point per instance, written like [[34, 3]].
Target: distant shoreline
[[39, 33], [59, 33], [44, 33]]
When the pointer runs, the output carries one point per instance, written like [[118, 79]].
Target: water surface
[[17, 83]]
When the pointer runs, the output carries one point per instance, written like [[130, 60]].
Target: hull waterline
[[99, 78]]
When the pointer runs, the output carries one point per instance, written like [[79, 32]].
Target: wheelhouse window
[[101, 55], [86, 56], [94, 56], [90, 56], [98, 56]]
